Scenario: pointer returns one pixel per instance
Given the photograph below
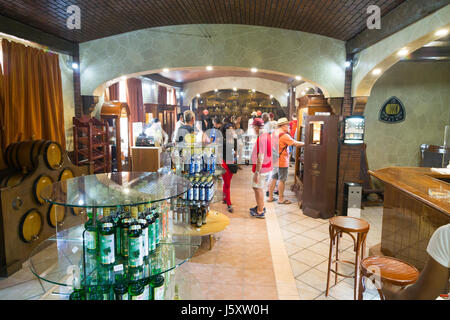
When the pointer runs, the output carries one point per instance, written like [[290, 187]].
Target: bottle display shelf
[[64, 259], [181, 285], [115, 189]]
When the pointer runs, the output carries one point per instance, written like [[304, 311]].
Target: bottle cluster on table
[[193, 161], [193, 212], [120, 257]]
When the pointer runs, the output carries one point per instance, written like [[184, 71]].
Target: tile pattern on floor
[[307, 243]]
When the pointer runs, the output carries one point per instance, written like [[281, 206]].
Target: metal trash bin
[[352, 199]]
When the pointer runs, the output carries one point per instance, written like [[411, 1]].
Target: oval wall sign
[[392, 111]]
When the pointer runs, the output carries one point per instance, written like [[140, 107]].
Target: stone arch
[[317, 59], [384, 54]]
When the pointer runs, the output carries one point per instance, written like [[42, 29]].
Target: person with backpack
[[284, 142], [229, 160]]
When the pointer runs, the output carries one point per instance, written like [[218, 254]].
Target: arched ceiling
[[339, 19]]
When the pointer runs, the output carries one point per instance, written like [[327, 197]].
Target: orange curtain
[[2, 147], [113, 92], [135, 100], [32, 95]]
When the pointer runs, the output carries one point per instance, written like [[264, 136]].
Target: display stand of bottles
[[123, 259], [198, 165]]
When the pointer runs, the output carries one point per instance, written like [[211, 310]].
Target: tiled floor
[[281, 257]]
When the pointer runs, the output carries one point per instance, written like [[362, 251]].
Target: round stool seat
[[349, 224], [394, 271]]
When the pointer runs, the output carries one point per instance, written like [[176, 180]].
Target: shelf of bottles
[[125, 243], [200, 165]]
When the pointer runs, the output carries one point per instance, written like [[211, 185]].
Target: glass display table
[[66, 260]]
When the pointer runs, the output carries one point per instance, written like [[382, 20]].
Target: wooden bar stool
[[350, 226], [388, 270]]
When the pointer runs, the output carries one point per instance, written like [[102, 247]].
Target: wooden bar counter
[[412, 210]]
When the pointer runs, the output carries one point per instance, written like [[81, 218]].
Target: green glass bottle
[[106, 234], [136, 291], [136, 288], [151, 233], [135, 258], [157, 227], [157, 285], [117, 217], [90, 235], [78, 292], [120, 291], [124, 226], [106, 292], [94, 293], [144, 227]]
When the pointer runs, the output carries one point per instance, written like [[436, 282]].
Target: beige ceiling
[[196, 74]]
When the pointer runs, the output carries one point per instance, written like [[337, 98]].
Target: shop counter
[[416, 203]]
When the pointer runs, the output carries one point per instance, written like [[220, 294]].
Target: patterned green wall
[[424, 89], [316, 58]]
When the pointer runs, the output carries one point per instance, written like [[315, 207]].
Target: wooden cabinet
[[308, 106], [320, 166], [118, 116], [91, 143]]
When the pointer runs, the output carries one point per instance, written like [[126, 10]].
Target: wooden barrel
[[12, 179], [76, 211], [65, 175], [40, 183], [11, 155], [53, 155], [55, 215], [31, 225], [24, 155]]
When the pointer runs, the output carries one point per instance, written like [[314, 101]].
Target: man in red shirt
[[281, 174], [262, 166]]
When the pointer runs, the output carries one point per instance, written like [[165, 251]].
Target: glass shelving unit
[[65, 260]]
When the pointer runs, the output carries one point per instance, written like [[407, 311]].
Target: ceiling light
[[198, 95], [74, 65], [253, 90], [287, 94], [216, 90], [271, 96], [181, 93], [441, 33], [234, 89], [298, 78], [403, 52], [254, 70], [165, 70], [209, 68], [347, 64], [376, 72]]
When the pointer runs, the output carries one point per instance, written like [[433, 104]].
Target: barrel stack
[[25, 218]]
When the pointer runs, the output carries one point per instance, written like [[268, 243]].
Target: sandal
[[273, 200], [286, 201]]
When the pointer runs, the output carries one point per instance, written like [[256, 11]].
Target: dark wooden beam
[[404, 15], [23, 31], [159, 78]]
